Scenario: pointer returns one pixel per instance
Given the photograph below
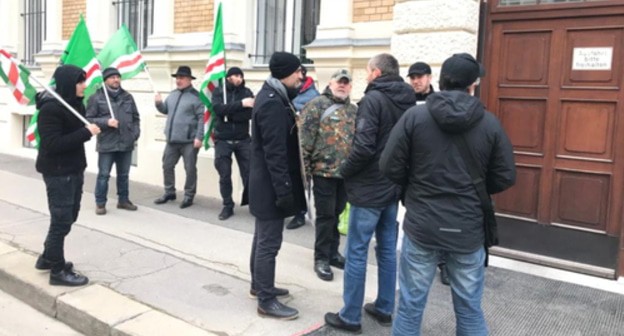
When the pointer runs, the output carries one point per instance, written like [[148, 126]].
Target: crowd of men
[[399, 144]]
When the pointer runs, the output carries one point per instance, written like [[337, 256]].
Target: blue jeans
[[417, 269], [122, 161], [363, 223]]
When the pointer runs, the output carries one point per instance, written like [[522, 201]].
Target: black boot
[[338, 261], [334, 320], [165, 198], [323, 271], [68, 278], [45, 264], [187, 202], [277, 310], [297, 222], [226, 213]]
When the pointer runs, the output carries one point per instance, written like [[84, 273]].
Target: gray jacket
[[185, 116], [122, 138]]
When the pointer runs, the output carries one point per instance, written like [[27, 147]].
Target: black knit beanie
[[234, 71], [283, 64]]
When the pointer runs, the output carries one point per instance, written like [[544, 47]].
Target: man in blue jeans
[[373, 197], [120, 129], [444, 217]]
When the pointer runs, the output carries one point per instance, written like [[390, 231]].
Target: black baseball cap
[[419, 68]]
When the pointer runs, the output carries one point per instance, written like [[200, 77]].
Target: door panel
[[556, 85]]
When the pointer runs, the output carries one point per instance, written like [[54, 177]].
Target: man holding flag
[[120, 129]]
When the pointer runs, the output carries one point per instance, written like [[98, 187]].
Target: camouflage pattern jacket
[[326, 140]]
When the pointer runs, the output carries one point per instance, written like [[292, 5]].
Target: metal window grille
[[278, 29], [138, 16], [34, 29]]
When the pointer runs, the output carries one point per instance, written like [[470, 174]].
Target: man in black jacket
[[444, 215], [373, 197], [276, 181], [116, 142], [61, 160], [419, 75], [231, 134]]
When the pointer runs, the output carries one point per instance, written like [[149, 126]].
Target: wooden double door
[[555, 77]]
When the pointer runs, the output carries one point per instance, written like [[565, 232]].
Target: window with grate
[[34, 20], [285, 25], [138, 16]]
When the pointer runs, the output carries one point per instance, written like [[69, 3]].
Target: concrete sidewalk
[[164, 267]]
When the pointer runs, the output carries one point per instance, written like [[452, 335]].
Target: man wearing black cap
[[231, 134], [275, 181], [184, 132], [120, 130], [427, 152], [419, 74]]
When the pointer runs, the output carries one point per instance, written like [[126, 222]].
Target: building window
[[34, 29], [285, 25], [138, 16]]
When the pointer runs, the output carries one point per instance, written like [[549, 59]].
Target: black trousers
[[267, 242], [64, 195], [330, 199], [171, 156], [223, 164]]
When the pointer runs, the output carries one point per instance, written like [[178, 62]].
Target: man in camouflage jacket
[[326, 133]]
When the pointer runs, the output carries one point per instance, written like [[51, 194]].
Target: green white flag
[[79, 52], [121, 52], [215, 71]]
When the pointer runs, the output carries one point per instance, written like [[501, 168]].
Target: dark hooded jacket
[[232, 122], [443, 209], [386, 99], [62, 134]]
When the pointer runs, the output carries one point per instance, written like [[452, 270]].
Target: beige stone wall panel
[[436, 15]]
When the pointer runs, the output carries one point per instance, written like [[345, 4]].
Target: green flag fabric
[[213, 73], [121, 52]]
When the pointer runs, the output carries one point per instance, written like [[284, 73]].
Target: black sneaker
[[45, 265], [383, 319], [297, 222], [279, 292], [278, 310], [68, 278], [334, 320]]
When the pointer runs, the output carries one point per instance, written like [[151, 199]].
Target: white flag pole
[[60, 99], [110, 108]]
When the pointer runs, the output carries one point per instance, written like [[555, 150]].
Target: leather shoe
[[444, 278], [127, 205], [334, 320], [187, 202], [226, 213], [297, 222], [68, 278], [45, 264], [338, 261], [279, 292], [165, 198], [323, 271], [277, 310], [383, 319], [100, 209]]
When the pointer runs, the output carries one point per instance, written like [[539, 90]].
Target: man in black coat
[[231, 134], [444, 216], [374, 198], [275, 182], [61, 160], [120, 130]]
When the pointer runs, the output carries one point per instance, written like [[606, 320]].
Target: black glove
[[285, 203]]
